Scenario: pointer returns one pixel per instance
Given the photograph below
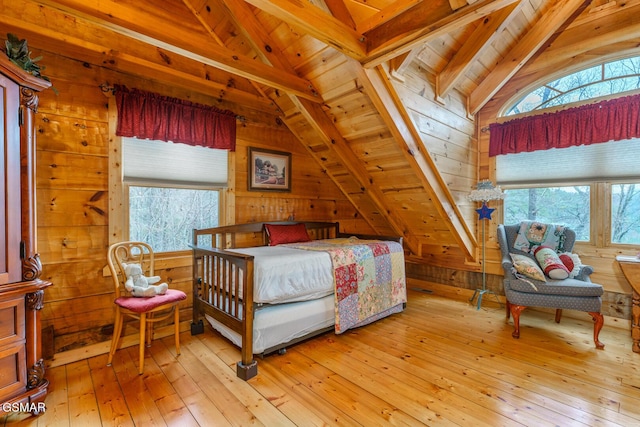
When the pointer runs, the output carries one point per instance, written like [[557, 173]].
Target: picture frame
[[269, 170]]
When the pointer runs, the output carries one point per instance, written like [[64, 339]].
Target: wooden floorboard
[[440, 362]]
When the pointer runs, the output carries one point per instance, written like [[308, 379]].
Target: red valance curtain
[[611, 120], [148, 115]]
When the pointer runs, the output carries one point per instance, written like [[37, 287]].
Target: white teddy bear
[[141, 286]]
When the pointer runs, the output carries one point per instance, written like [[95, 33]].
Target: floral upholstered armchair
[[541, 271]]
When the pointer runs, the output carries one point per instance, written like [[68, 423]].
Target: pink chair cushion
[[142, 304]]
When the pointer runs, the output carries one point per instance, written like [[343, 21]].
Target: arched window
[[610, 78], [562, 185]]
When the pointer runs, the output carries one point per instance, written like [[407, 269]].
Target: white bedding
[[282, 274], [279, 324]]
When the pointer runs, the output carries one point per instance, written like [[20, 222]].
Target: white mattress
[[273, 325], [282, 274]]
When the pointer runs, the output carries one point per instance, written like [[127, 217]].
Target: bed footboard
[[223, 279], [222, 289]]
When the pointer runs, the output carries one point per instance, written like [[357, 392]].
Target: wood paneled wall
[[448, 135], [313, 196], [72, 173]]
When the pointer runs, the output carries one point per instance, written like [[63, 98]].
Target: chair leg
[[117, 331], [143, 330], [176, 323], [558, 315], [150, 324], [508, 305], [598, 321], [515, 312]]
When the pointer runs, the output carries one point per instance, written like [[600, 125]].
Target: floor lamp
[[484, 192]]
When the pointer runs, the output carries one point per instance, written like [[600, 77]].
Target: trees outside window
[[568, 206], [615, 77], [625, 213], [165, 217]]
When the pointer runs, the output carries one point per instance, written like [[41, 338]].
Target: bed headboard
[[254, 233]]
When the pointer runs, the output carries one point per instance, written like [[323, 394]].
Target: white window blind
[[584, 163], [148, 161]]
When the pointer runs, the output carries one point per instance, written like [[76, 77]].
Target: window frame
[[156, 184], [608, 192], [600, 196]]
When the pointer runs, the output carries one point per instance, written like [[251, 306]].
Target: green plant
[[19, 54]]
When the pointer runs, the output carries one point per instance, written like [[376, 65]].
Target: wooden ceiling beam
[[388, 13], [621, 27], [341, 12], [204, 16], [424, 21], [41, 25], [489, 29], [317, 23], [246, 22], [129, 20], [130, 64], [557, 16], [457, 4]]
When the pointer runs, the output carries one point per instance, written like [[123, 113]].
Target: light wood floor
[[441, 362]]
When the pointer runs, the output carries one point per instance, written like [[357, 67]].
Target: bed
[[265, 286]]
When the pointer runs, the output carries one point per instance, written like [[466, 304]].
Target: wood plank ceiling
[[324, 68]]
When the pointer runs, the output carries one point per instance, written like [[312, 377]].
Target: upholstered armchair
[[575, 292]]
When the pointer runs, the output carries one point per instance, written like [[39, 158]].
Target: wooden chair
[[149, 310]]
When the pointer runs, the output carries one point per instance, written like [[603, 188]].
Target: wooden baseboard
[[70, 356]]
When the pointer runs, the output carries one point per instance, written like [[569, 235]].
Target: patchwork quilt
[[369, 277]]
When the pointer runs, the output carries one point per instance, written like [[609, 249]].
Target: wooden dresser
[[631, 269], [22, 383]]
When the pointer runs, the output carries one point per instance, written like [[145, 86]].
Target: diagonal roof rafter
[[559, 15], [377, 83], [323, 126], [489, 29], [133, 23], [137, 58]]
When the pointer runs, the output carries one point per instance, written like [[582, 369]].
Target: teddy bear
[[139, 285]]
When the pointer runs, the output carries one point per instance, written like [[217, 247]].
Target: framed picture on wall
[[269, 170]]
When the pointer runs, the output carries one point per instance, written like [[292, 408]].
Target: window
[[172, 189], [164, 217], [625, 221], [610, 78], [568, 205]]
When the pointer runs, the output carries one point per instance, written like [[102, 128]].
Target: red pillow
[[567, 261], [290, 233]]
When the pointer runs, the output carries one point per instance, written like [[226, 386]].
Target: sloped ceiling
[[324, 68]]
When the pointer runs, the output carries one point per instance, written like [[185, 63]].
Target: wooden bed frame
[[230, 275]]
